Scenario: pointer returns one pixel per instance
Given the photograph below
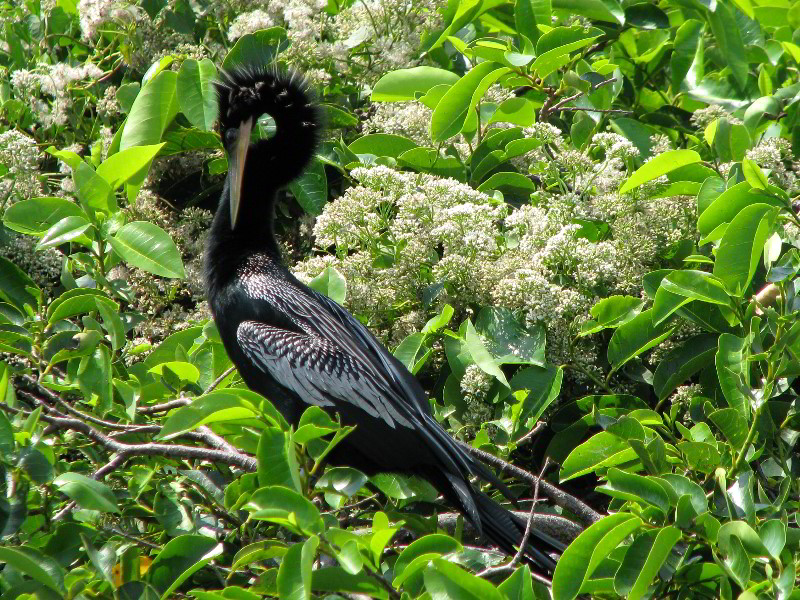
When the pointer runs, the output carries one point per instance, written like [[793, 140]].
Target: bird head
[[240, 104]]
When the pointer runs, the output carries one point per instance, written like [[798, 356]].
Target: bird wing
[[316, 370], [320, 372]]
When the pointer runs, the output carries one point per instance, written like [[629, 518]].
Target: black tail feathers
[[250, 90], [506, 529]]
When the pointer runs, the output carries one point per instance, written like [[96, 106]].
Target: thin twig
[[546, 109], [163, 407], [531, 434], [219, 379], [236, 459], [580, 509]]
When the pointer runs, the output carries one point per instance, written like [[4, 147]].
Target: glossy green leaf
[[311, 188], [728, 204], [179, 559], [154, 108], [630, 486], [30, 563], [742, 244], [643, 560], [147, 246], [66, 230], [257, 48], [196, 95], [447, 581], [588, 550], [683, 362], [481, 355], [37, 215], [408, 84], [87, 492], [294, 574], [331, 283], [451, 113], [382, 144], [94, 192], [429, 547], [612, 312], [601, 450], [277, 464], [285, 507], [77, 302], [658, 166], [128, 164], [634, 337], [218, 406]]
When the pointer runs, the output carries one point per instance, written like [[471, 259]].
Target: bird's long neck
[[255, 227]]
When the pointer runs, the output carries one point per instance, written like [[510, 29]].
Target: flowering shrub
[[576, 223]]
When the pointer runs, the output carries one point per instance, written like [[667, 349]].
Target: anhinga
[[299, 348]]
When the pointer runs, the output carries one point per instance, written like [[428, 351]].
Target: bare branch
[[559, 497]]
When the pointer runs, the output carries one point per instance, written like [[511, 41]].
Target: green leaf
[[530, 13], [285, 507], [88, 493], [77, 302], [337, 580], [602, 10], [94, 378], [658, 166], [147, 246], [728, 204], [683, 362], [93, 191], [258, 551], [612, 312], [519, 585], [311, 188], [729, 39], [697, 285], [568, 39], [773, 536], [29, 562], [277, 464], [409, 84], [37, 215], [588, 550], [196, 94], [643, 560], [331, 283], [154, 108], [450, 115], [603, 449], [507, 340], [544, 385], [382, 144], [447, 581], [513, 185], [430, 546], [481, 356], [179, 559], [732, 425], [258, 48], [736, 561], [635, 337], [733, 373], [294, 573], [754, 175], [742, 244], [629, 486], [128, 164], [66, 230], [218, 406], [185, 371]]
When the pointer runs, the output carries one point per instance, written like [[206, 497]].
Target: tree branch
[[583, 511]]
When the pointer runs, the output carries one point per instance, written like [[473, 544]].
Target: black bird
[[299, 348]]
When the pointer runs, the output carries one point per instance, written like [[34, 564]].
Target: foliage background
[[576, 222]]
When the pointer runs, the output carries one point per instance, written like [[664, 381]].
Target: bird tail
[[287, 98], [503, 527]]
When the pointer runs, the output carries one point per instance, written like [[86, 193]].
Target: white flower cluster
[[703, 117], [20, 155], [94, 13], [54, 82], [397, 236], [773, 154], [409, 119]]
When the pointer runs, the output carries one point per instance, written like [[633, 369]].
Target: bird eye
[[230, 135]]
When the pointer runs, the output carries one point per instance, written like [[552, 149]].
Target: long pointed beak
[[236, 167]]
